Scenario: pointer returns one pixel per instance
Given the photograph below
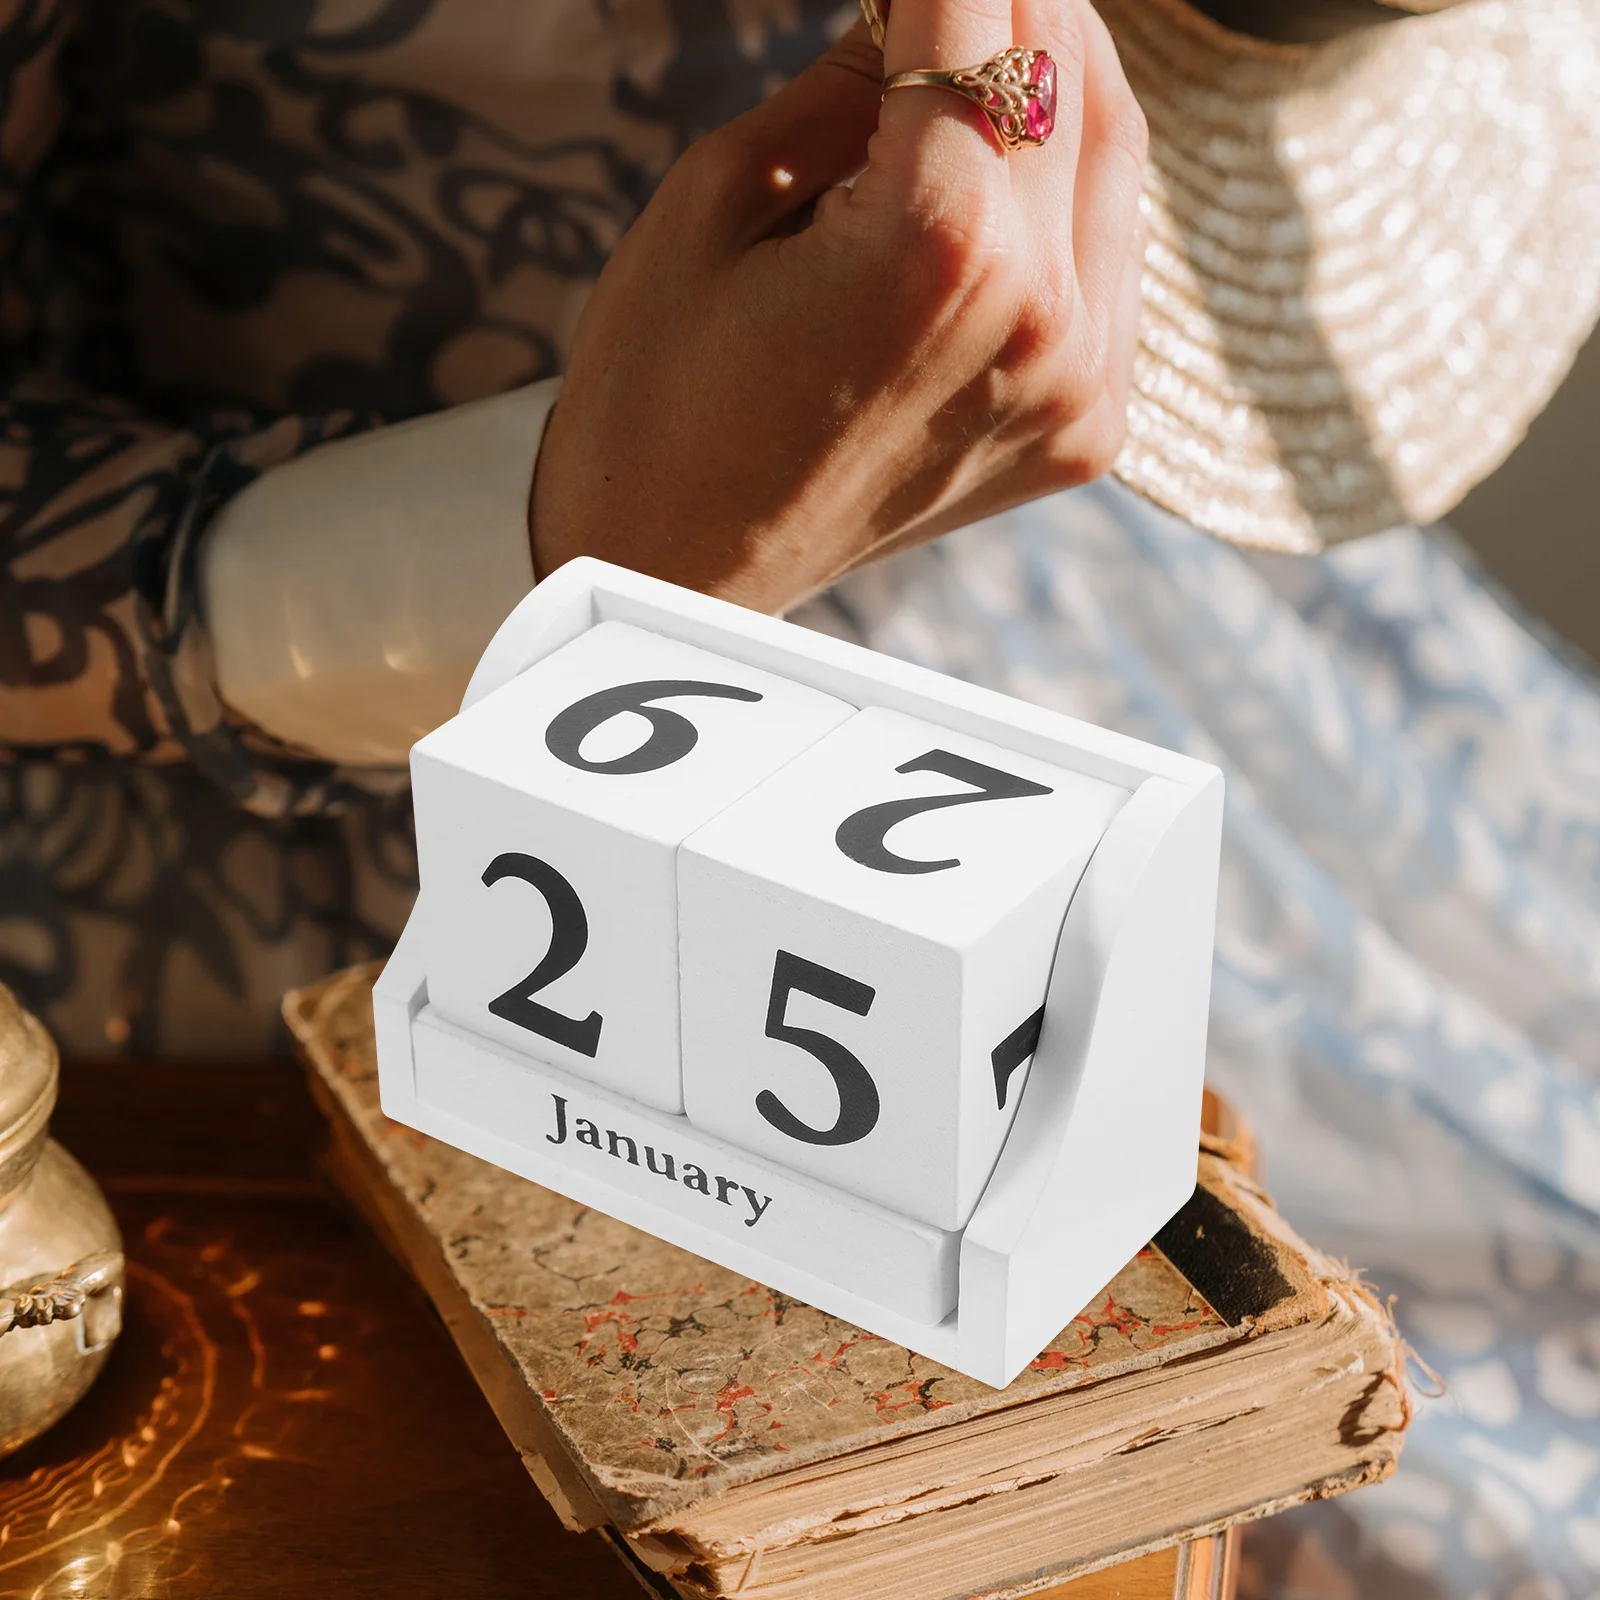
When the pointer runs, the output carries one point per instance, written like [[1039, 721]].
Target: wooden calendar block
[[866, 939], [549, 815]]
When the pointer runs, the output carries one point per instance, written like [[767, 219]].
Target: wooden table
[[283, 1415]]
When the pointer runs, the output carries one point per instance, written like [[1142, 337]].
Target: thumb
[[809, 136]]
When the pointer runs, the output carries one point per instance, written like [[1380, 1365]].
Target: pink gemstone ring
[[1015, 90]]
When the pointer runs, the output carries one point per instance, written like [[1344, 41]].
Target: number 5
[[858, 1094]]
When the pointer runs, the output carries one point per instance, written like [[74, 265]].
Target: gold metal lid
[[29, 1070]]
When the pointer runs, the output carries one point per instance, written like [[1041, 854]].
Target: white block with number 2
[[549, 816], [866, 940]]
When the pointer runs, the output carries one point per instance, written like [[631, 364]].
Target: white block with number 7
[[549, 816], [866, 942]]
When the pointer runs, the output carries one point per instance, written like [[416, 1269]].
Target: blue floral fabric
[[1406, 1001]]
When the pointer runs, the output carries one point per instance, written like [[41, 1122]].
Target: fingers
[[765, 167], [1110, 172], [1082, 217], [937, 151], [1045, 179], [937, 128], [944, 33], [1122, 342]]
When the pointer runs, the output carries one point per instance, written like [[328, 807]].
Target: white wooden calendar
[[846, 975]]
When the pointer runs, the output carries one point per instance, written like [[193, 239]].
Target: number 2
[[858, 1094], [862, 835], [569, 938]]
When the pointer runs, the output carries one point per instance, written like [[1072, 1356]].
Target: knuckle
[[975, 19], [691, 175], [1105, 432], [1060, 412], [856, 53], [954, 251], [1126, 129], [1039, 326], [1089, 347], [1054, 302], [1069, 48], [1086, 447], [708, 170], [1050, 332]]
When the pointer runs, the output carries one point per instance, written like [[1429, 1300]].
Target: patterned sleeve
[[101, 651]]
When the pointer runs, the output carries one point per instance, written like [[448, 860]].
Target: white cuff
[[349, 592]]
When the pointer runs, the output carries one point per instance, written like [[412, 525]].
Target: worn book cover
[[743, 1442]]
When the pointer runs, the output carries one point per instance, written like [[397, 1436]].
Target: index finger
[[941, 34]]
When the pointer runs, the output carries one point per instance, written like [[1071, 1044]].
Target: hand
[[778, 377]]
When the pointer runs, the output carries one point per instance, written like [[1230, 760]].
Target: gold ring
[[1015, 90]]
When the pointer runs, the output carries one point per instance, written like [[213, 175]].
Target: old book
[[739, 1442]]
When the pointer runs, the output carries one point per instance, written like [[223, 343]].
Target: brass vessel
[[61, 1266]]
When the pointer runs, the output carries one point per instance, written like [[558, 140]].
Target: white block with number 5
[[866, 940], [549, 816]]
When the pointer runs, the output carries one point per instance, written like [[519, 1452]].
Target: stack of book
[[731, 1441]]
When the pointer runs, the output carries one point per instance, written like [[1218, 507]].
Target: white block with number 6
[[549, 816], [866, 940]]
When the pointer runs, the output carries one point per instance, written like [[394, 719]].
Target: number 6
[[672, 736]]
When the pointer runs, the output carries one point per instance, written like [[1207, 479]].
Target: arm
[[776, 378]]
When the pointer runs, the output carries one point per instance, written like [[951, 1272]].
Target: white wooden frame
[[1102, 1151]]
